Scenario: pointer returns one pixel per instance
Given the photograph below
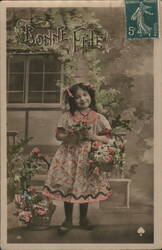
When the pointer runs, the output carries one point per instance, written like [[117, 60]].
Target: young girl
[[68, 177]]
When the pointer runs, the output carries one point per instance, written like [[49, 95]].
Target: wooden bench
[[122, 185], [11, 137]]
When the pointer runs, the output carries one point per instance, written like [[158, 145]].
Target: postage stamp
[[141, 19]]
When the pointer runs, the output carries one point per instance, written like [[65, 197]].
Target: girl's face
[[82, 99]]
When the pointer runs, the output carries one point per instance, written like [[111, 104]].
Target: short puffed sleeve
[[63, 121], [103, 127]]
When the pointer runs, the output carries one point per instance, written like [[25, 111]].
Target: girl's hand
[[93, 137], [84, 135], [72, 139], [67, 136]]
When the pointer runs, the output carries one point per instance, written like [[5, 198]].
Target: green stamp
[[141, 19]]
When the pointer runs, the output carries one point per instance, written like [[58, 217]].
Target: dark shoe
[[86, 224], [65, 227]]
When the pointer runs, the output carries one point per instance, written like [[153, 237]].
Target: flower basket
[[42, 222], [34, 210], [104, 166], [107, 157]]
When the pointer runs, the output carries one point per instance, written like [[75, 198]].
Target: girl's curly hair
[[70, 99]]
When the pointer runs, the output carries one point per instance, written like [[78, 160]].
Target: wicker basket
[[105, 166], [42, 222]]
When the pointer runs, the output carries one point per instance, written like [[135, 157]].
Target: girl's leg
[[68, 208], [67, 224], [84, 222]]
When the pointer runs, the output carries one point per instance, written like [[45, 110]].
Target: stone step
[[38, 180]]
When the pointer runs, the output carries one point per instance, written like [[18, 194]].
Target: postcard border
[[157, 131]]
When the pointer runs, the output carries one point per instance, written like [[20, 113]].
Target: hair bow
[[88, 84], [69, 92]]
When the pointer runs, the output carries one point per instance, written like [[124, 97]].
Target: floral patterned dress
[[68, 178]]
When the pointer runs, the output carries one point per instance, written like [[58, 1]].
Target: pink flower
[[40, 156], [19, 202], [97, 171], [96, 144], [106, 131], [25, 216], [32, 190], [122, 146], [35, 150], [42, 211], [88, 84], [23, 205], [111, 150], [17, 198], [109, 158], [91, 162]]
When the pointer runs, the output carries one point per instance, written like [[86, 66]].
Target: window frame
[[33, 106]]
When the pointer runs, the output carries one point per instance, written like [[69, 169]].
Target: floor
[[100, 234], [112, 226]]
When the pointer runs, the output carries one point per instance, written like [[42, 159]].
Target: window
[[34, 79]]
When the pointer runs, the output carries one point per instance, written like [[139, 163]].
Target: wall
[[42, 125]]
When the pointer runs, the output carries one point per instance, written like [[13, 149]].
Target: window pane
[[36, 64], [52, 64], [34, 79], [17, 63], [15, 97], [50, 81], [16, 82], [35, 97], [36, 82], [51, 97]]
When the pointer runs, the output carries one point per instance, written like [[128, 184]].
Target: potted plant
[[32, 208]]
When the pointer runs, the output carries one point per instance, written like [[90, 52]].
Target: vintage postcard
[[81, 126]]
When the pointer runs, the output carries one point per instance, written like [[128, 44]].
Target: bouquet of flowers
[[33, 209], [80, 129], [106, 157]]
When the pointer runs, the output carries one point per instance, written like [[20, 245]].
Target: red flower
[[41, 211], [97, 171], [109, 158], [25, 216], [32, 190], [106, 131], [122, 146], [91, 162], [40, 156], [35, 150], [17, 198], [88, 84], [96, 144], [111, 150]]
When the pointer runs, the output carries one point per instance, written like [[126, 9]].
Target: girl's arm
[[60, 134]]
